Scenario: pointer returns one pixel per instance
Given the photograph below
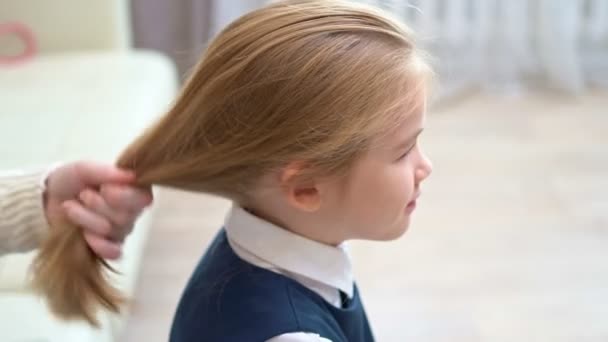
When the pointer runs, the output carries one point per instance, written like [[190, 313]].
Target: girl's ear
[[303, 195]]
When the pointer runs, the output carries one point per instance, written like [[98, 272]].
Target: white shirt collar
[[291, 252]]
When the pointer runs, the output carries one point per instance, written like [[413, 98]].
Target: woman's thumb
[[95, 174]]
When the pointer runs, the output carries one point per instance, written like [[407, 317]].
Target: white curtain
[[501, 46], [510, 46], [182, 28]]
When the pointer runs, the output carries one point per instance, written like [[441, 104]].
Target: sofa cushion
[[85, 105], [25, 318]]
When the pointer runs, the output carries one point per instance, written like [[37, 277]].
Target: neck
[[306, 227]]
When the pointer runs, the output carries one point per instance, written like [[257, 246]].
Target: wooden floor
[[509, 242]]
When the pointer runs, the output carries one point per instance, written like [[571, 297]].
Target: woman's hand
[[100, 198]]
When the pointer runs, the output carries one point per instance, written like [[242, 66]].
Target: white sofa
[[86, 95]]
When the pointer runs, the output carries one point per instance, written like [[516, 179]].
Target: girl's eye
[[408, 150]]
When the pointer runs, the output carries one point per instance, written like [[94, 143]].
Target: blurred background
[[510, 239]]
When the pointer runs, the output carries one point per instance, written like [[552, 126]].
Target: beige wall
[[61, 25]]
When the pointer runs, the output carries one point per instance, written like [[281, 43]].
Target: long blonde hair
[[311, 81]]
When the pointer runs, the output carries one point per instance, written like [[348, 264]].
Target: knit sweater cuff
[[23, 223]]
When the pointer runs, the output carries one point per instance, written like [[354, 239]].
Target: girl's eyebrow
[[408, 142]]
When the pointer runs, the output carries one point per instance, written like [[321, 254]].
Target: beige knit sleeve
[[23, 222]]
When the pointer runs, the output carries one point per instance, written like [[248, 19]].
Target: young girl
[[306, 114], [307, 117]]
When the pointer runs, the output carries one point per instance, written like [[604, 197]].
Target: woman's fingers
[[107, 215], [103, 247], [125, 197], [87, 219], [121, 220], [98, 231]]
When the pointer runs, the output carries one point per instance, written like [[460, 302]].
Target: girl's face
[[379, 196], [374, 201]]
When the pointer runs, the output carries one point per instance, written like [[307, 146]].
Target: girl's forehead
[[411, 124], [410, 116], [400, 132]]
